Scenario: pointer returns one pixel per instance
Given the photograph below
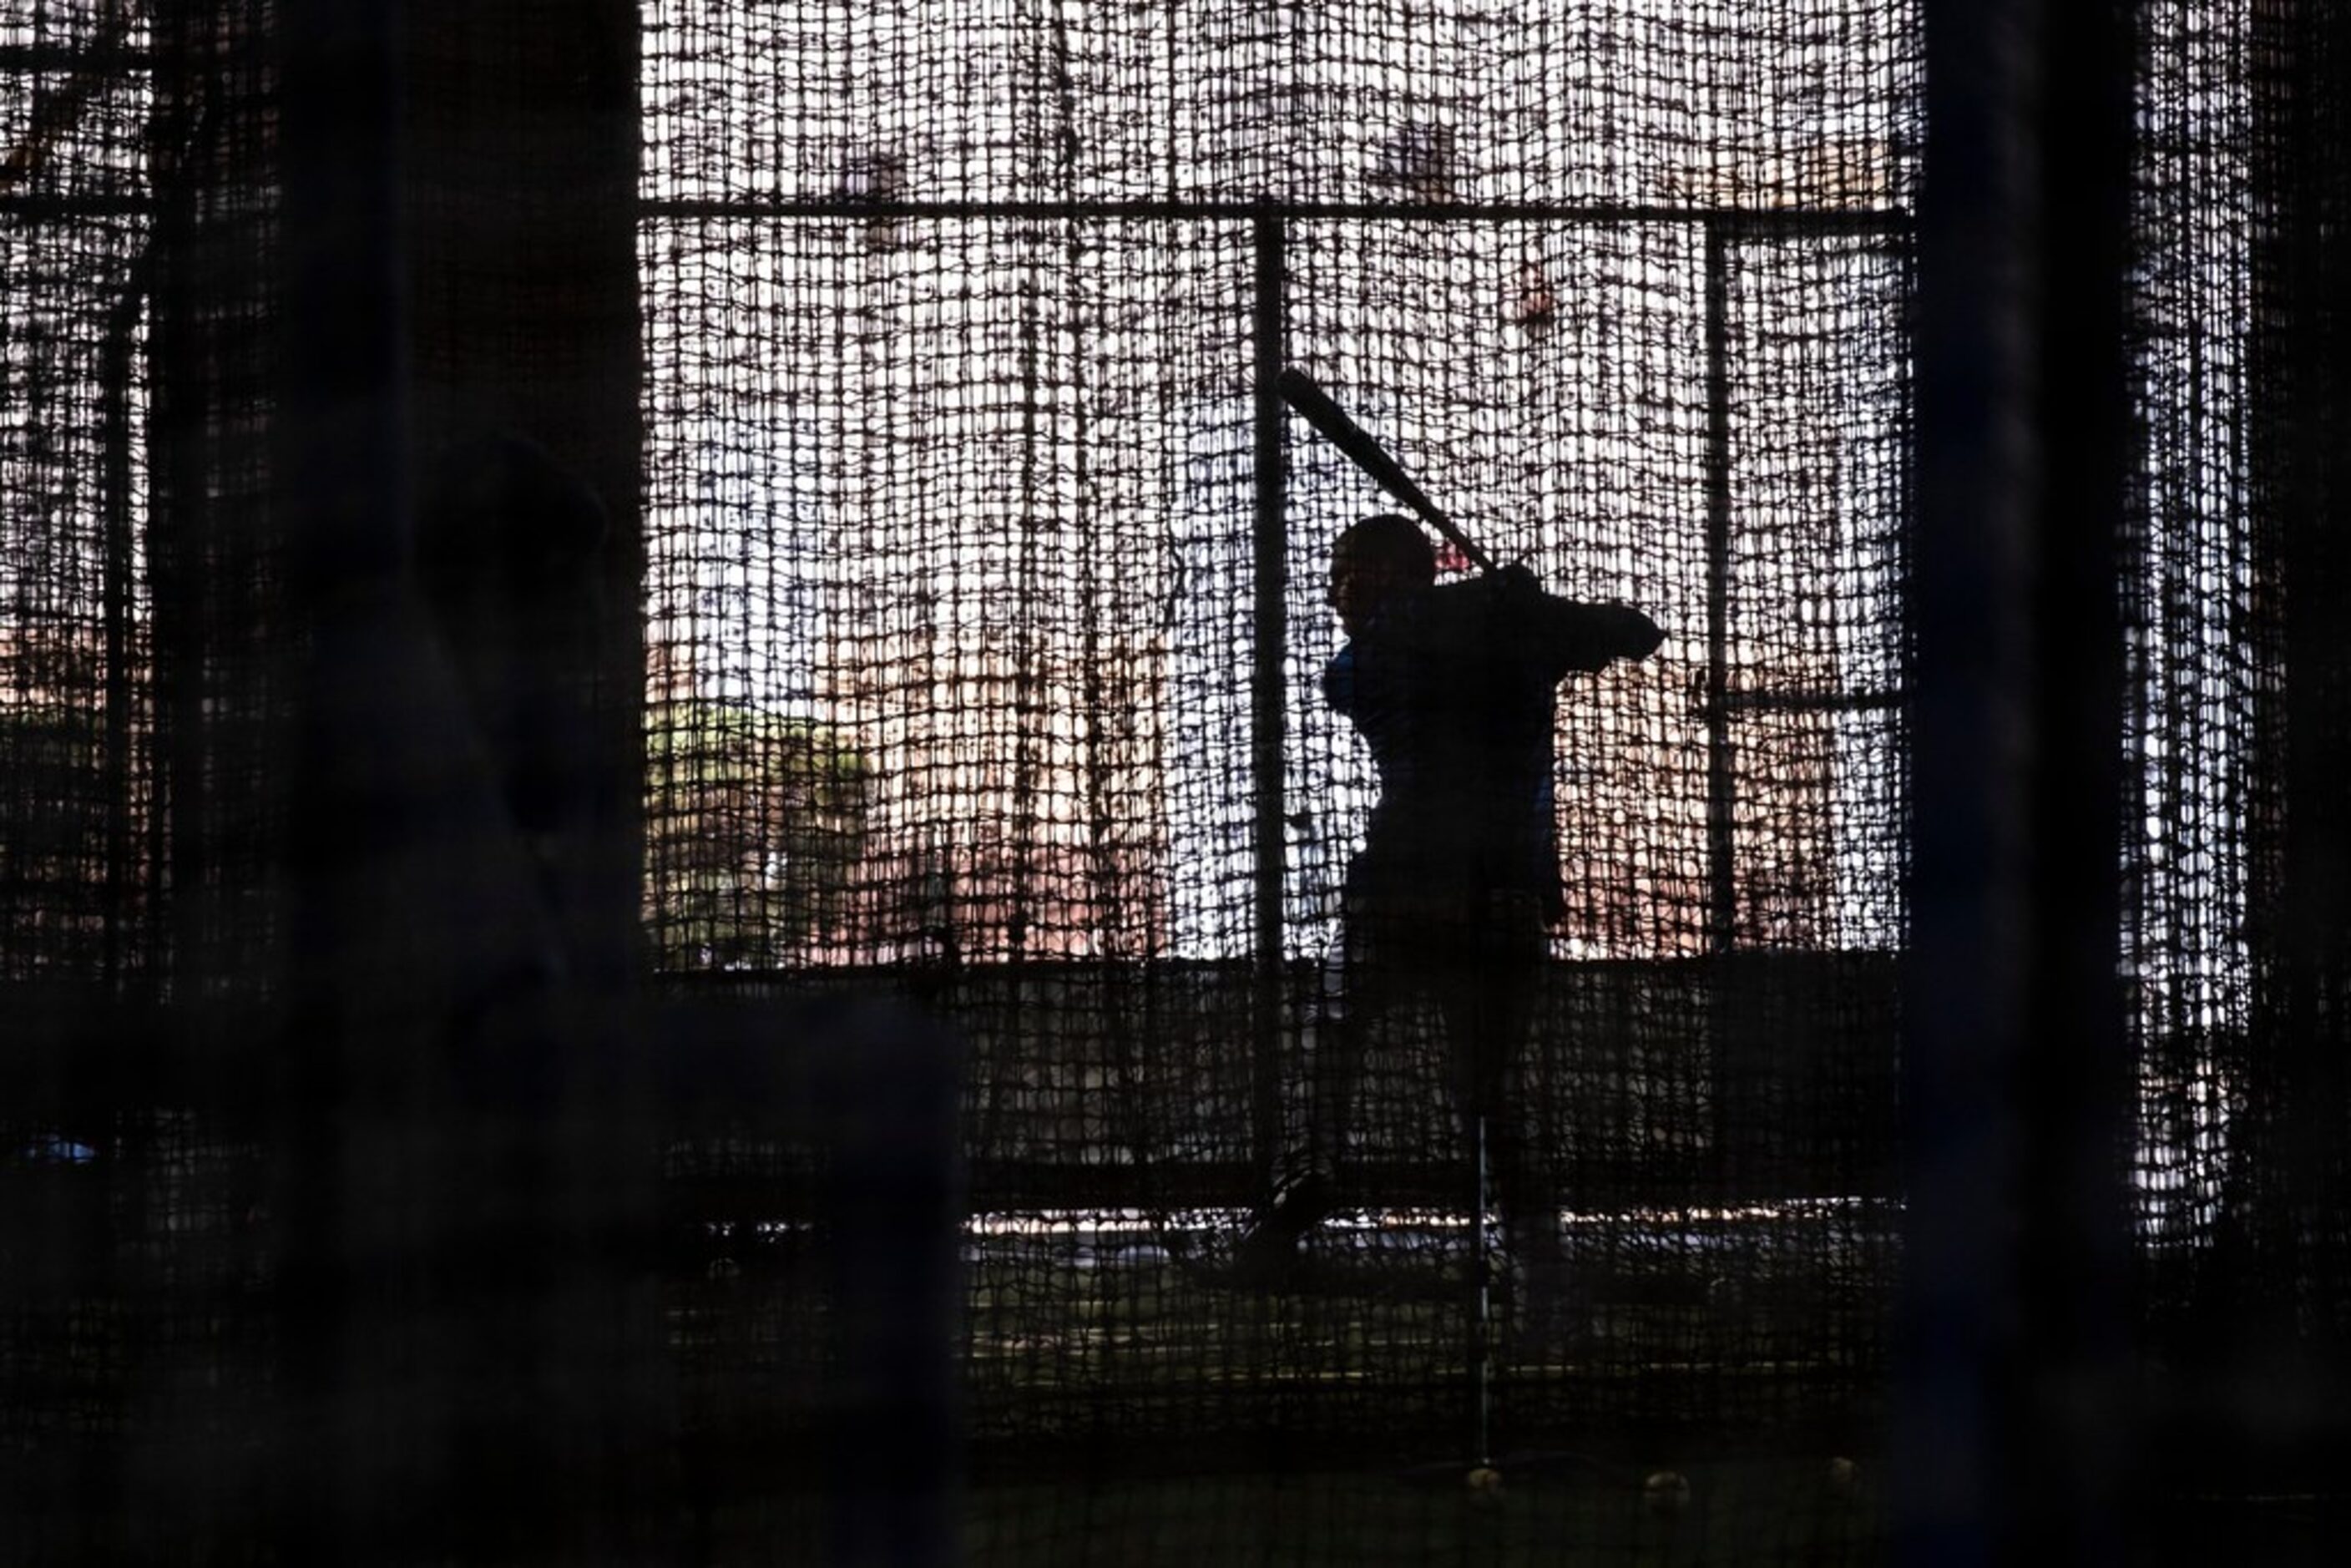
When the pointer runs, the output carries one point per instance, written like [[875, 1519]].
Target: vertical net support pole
[[1481, 1299], [2013, 1422], [2073, 1433], [1722, 888], [1268, 679], [341, 430]]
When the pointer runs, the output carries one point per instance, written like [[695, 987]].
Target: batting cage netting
[[714, 837]]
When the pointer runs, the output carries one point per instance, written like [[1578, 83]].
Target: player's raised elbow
[[1637, 635]]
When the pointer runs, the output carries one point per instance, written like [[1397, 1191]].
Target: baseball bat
[[1299, 392]]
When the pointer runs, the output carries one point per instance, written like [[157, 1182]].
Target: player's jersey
[[1453, 690]]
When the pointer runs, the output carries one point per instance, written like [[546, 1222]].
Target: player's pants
[[1479, 959]]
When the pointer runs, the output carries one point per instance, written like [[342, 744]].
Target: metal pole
[[1481, 1304], [344, 488], [2071, 1437], [1961, 1003], [1722, 893], [1268, 691], [2014, 1431]]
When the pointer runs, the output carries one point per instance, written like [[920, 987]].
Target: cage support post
[[342, 430], [2013, 1430], [1722, 893], [1269, 646], [1481, 1301]]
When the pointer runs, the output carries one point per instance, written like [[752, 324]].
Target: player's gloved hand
[[1637, 635]]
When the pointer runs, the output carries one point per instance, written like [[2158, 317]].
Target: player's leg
[[1490, 1004], [1354, 992]]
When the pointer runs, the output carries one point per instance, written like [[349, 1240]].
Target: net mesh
[[959, 605], [2232, 943], [983, 595], [2201, 647]]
